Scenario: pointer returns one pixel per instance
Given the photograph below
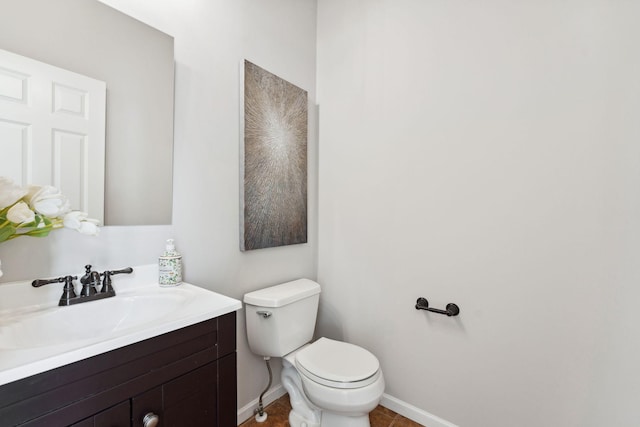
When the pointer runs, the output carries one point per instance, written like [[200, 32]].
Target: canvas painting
[[274, 161]]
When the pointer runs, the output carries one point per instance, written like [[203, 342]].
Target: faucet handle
[[40, 282], [127, 270], [106, 281], [68, 292]]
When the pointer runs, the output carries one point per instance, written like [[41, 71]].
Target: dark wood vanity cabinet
[[186, 378], [119, 415]]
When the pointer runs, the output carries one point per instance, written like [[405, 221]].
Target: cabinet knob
[[150, 420]]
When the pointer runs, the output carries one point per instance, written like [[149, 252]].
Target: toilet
[[330, 383]]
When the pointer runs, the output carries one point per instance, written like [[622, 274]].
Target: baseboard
[[413, 413], [272, 395], [396, 405]]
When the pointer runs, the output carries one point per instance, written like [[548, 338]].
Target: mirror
[[136, 62]]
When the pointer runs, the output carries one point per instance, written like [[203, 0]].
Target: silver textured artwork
[[274, 161]]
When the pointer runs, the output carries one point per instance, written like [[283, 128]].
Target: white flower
[[9, 192], [35, 211], [79, 221], [47, 201], [21, 214], [89, 227], [74, 219]]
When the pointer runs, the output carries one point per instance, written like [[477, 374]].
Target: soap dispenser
[[170, 266]]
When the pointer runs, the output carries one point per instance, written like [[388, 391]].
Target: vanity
[[150, 356]]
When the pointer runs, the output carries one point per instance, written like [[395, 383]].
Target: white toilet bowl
[[332, 384]]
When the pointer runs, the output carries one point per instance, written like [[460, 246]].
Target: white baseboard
[[413, 413], [272, 395], [390, 402]]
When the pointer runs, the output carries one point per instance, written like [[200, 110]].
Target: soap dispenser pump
[[170, 266]]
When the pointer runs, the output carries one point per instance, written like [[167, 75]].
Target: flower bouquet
[[36, 210]]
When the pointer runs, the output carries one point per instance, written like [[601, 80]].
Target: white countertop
[[25, 311]]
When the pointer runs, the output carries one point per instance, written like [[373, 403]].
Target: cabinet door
[[227, 391], [147, 404], [189, 400], [116, 416]]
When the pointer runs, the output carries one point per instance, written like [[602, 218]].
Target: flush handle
[[264, 314]]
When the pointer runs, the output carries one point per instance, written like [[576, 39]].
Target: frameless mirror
[[136, 62]]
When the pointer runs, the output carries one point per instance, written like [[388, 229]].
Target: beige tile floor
[[278, 415]]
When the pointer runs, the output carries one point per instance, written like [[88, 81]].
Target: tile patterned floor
[[278, 416]]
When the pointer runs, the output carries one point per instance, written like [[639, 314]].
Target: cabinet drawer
[[117, 416]]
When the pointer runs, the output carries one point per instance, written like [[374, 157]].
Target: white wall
[[211, 41], [485, 154], [67, 252]]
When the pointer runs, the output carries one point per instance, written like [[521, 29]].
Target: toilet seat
[[337, 364]]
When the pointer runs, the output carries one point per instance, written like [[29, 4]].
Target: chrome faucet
[[90, 284]]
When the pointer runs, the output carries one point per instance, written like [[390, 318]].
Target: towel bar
[[451, 309]]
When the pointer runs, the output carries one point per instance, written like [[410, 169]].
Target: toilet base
[[303, 413], [295, 420], [306, 414], [330, 419]]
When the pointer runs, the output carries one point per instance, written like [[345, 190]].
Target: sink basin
[[93, 320], [37, 335]]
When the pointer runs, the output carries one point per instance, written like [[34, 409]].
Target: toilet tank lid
[[280, 295]]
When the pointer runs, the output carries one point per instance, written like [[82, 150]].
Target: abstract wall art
[[273, 197]]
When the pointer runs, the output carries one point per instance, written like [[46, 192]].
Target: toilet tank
[[281, 318]]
